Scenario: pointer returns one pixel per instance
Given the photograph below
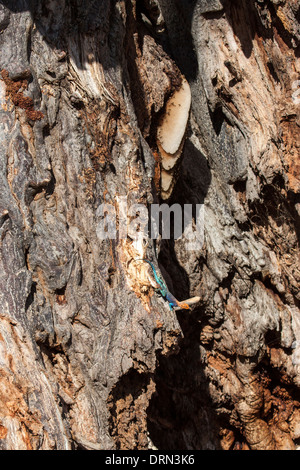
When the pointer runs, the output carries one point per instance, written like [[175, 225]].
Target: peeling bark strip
[[152, 101]]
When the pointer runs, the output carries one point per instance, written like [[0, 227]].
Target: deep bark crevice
[[91, 356]]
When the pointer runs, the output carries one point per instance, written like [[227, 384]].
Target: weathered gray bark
[[90, 356]]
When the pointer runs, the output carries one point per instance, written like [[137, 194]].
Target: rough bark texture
[[91, 357]]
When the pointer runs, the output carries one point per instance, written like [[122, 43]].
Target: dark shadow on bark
[[177, 40], [17, 6], [60, 24], [249, 18], [191, 188], [126, 403], [181, 415], [181, 405]]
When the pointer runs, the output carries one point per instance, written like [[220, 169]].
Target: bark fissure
[[91, 356]]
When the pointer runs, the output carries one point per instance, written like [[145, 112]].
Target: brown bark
[[91, 357]]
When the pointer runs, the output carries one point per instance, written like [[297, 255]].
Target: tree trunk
[[114, 105]]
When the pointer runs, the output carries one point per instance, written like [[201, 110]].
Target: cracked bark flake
[[91, 357]]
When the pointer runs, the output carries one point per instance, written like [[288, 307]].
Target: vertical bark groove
[[90, 356]]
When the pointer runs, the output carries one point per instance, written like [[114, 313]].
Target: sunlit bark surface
[[149, 101]]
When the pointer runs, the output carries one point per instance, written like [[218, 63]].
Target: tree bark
[[91, 357]]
